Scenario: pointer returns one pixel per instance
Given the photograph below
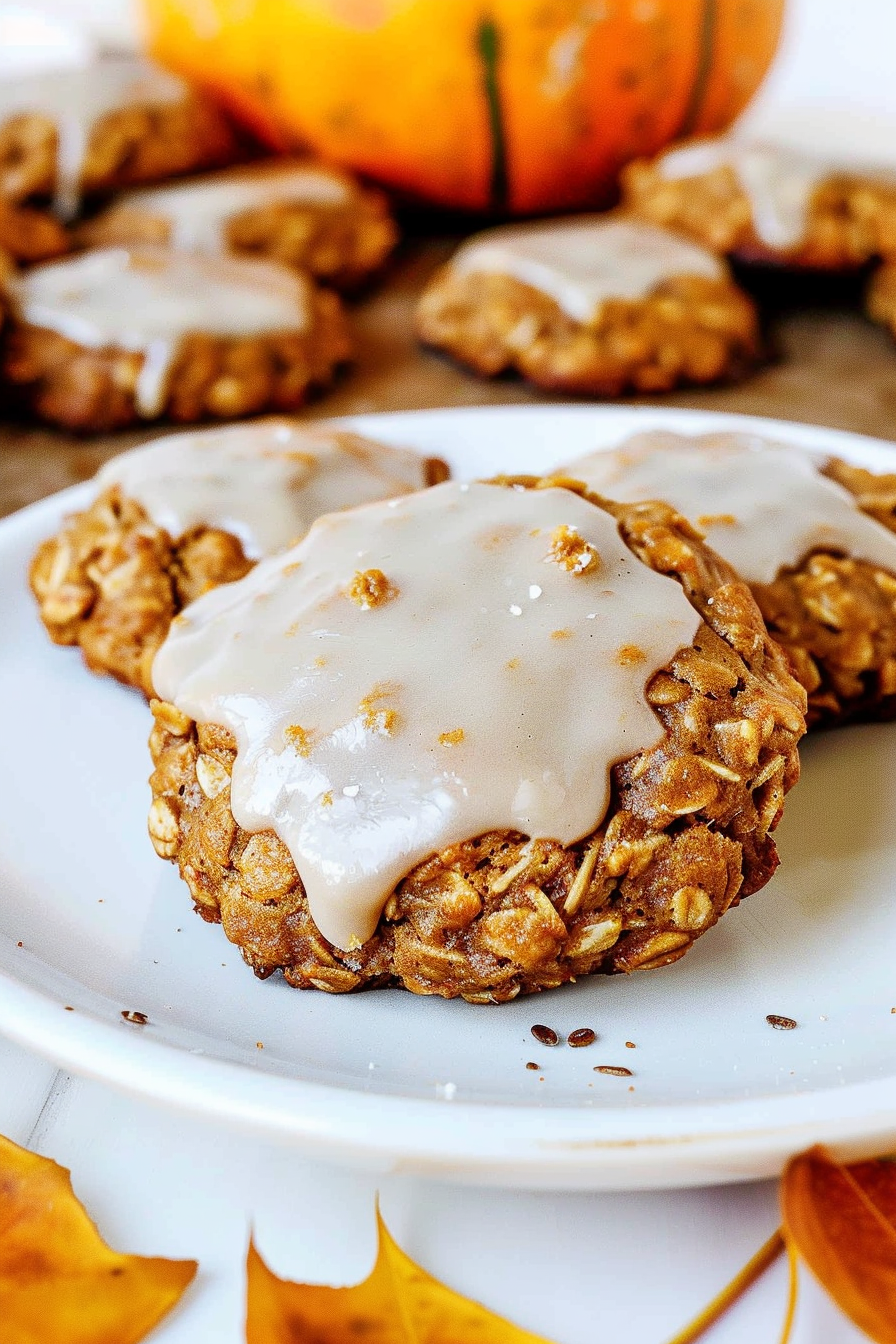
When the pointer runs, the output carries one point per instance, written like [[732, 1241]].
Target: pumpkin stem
[[706, 43], [488, 47]]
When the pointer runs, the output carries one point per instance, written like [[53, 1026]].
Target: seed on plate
[[615, 1070], [780, 1023], [532, 1065], [69, 1008], [581, 1036], [545, 1035], [630, 1045], [138, 1019]]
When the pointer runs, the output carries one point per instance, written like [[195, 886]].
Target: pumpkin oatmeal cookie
[[95, 128], [766, 203], [592, 306], [186, 513], [298, 212], [104, 340], [542, 761], [812, 537]]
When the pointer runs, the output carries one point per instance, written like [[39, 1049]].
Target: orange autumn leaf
[[399, 1303], [842, 1221], [59, 1281]]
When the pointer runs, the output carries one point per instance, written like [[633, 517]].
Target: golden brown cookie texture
[[28, 236], [126, 146], [92, 391], [836, 617], [850, 218], [687, 834], [688, 330], [112, 582], [340, 242]]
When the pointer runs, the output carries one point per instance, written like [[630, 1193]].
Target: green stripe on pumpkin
[[488, 49], [705, 52]]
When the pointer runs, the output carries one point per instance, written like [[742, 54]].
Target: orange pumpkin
[[507, 105]]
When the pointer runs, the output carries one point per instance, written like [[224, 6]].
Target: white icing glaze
[[31, 42], [198, 210], [265, 482], [76, 98], [581, 263], [147, 299], [485, 638], [762, 506], [778, 181]]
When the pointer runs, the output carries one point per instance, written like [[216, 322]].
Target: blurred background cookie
[[813, 539], [93, 128], [768, 203], [590, 305], [185, 513], [106, 339], [297, 212], [434, 799]]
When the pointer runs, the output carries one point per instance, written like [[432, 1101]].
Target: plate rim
[[550, 1146]]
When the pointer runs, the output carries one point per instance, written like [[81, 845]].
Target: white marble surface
[[576, 1268]]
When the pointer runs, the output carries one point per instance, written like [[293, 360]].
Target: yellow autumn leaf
[[842, 1221], [399, 1303], [59, 1281]]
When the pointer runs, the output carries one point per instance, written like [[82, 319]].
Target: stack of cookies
[[137, 284], [208, 297]]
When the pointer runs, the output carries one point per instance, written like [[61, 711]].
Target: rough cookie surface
[[112, 582], [850, 219], [688, 330], [341, 245], [126, 146], [687, 833], [836, 617], [211, 378]]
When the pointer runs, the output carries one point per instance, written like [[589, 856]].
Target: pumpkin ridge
[[705, 51], [488, 48]]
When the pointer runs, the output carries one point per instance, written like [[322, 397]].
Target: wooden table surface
[[831, 367]]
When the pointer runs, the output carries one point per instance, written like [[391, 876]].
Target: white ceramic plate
[[92, 921]]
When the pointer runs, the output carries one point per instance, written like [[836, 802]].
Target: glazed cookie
[[109, 338], [186, 513], [297, 212], [767, 203], [590, 305], [814, 539], [563, 752], [98, 127]]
